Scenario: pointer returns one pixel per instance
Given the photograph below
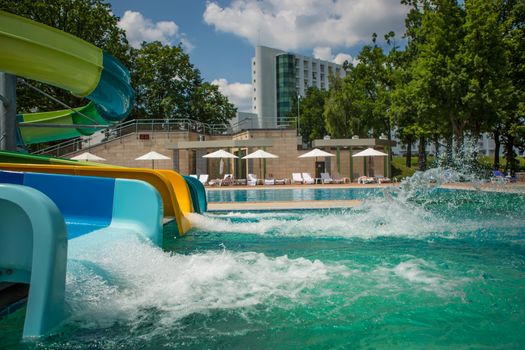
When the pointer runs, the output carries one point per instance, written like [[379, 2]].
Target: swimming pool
[[295, 194], [445, 270]]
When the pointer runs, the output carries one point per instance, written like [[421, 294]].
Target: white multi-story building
[[278, 77]]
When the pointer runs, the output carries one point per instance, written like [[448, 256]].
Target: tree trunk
[[436, 147], [510, 167], [449, 150], [408, 155], [422, 156], [497, 146], [389, 135]]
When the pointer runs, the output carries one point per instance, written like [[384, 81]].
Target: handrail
[[132, 127], [135, 126]]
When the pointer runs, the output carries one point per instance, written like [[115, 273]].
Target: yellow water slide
[[171, 185]]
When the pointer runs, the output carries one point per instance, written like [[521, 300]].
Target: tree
[[484, 62], [168, 86], [208, 105], [312, 123], [343, 110], [511, 124]]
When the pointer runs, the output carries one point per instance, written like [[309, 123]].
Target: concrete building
[[278, 77], [186, 149]]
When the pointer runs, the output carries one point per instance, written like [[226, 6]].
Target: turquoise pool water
[[438, 271], [288, 194]]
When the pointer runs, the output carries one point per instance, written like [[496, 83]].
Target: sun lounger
[[499, 177], [382, 179], [227, 180], [203, 178], [307, 179], [297, 178], [338, 179], [365, 180], [269, 181], [252, 180], [280, 181], [326, 179]]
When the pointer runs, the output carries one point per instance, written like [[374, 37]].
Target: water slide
[[173, 189], [197, 192], [35, 51], [42, 217]]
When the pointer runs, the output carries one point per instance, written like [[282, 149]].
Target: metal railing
[[135, 126]]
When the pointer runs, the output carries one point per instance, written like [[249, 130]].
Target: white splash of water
[[125, 279], [374, 218], [420, 275]]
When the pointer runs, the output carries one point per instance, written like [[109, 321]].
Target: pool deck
[[324, 204]]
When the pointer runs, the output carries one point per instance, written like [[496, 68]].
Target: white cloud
[[300, 24], [325, 53], [139, 29], [238, 93]]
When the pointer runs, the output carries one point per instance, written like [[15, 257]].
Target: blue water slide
[[198, 194], [33, 249], [40, 212], [91, 203]]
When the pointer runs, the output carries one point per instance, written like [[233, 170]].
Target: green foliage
[[399, 170], [170, 87], [359, 104], [343, 110], [311, 108], [90, 20]]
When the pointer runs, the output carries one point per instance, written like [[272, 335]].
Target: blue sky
[[220, 36]]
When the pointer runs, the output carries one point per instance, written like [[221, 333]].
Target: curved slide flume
[[35, 51], [171, 187]]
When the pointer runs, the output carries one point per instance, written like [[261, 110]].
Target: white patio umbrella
[[86, 156], [153, 156], [369, 152], [220, 154], [316, 152], [260, 154]]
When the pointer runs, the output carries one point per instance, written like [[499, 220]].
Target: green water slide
[[35, 51]]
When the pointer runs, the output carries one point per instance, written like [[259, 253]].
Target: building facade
[[278, 77]]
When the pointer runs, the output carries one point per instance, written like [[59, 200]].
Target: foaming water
[[127, 280], [446, 214]]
